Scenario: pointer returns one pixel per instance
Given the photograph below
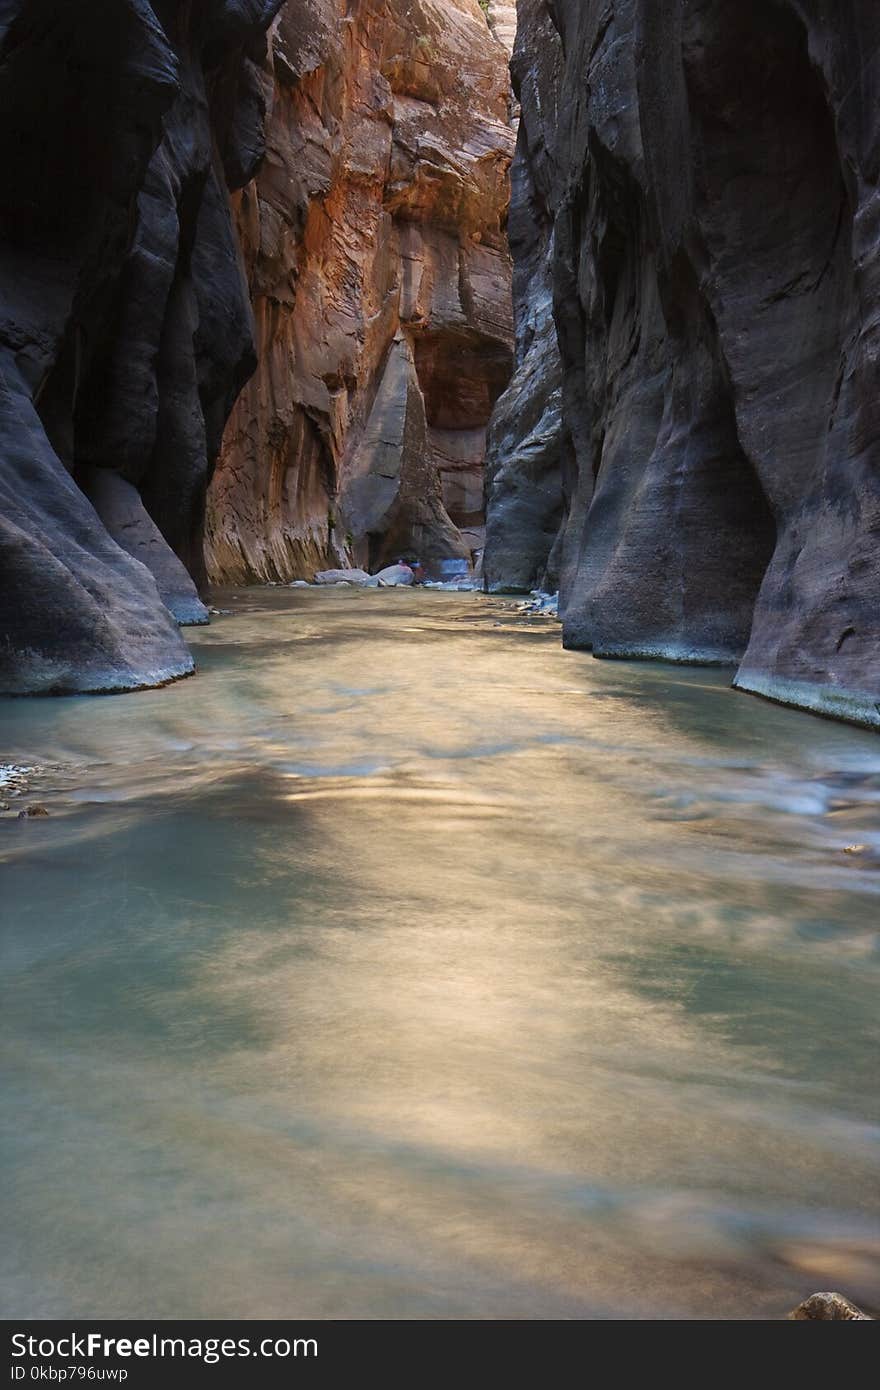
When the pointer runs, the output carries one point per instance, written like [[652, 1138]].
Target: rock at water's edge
[[828, 1307], [395, 577], [359, 578]]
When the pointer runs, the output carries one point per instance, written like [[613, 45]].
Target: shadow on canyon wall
[[695, 212], [125, 329]]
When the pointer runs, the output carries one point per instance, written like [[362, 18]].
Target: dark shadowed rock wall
[[527, 448], [704, 197], [125, 326]]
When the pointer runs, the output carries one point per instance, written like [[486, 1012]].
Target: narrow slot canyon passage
[[439, 660]]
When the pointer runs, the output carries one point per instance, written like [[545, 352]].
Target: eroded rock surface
[[527, 440], [374, 236], [125, 327], [828, 1307], [707, 188]]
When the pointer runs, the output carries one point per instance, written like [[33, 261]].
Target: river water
[[401, 964]]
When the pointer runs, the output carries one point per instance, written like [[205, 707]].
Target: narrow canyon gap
[[375, 239], [408, 961], [296, 215]]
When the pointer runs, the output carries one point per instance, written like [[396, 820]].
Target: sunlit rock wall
[[374, 236], [707, 189]]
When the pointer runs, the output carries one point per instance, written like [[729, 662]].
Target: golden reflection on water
[[438, 972]]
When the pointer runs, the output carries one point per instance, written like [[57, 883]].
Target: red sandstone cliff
[[374, 241]]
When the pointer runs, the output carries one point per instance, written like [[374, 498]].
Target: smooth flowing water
[[401, 964]]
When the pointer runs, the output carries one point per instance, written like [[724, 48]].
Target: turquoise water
[[401, 964]]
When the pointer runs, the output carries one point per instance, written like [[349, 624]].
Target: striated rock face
[[501, 16], [706, 190], [125, 327], [374, 236]]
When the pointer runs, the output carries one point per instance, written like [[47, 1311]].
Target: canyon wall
[[697, 186], [147, 270], [125, 326], [526, 456], [374, 237]]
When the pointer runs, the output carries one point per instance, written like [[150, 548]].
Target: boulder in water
[[394, 576]]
